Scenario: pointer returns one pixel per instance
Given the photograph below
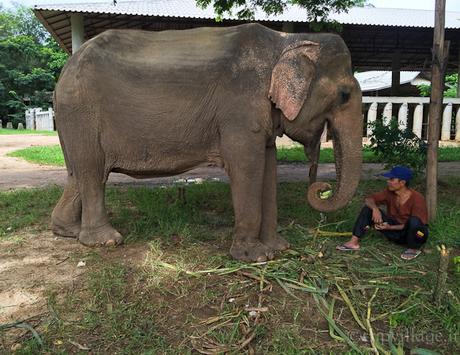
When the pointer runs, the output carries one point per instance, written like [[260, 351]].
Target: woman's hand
[[382, 226], [377, 216]]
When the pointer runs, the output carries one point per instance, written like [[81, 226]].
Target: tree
[[21, 21], [317, 10], [451, 83], [440, 57], [30, 63]]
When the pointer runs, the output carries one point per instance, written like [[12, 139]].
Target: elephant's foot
[[62, 229], [71, 230], [105, 235], [276, 243], [250, 251]]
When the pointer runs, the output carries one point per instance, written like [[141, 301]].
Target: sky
[[451, 5]]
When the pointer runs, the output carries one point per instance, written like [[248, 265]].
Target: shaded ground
[[17, 173], [145, 297], [37, 267], [29, 264], [126, 299]]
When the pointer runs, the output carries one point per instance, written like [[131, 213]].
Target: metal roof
[[373, 35], [188, 9], [378, 80]]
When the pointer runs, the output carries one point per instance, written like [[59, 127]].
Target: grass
[[26, 209], [296, 154], [5, 131], [46, 155], [52, 155], [183, 293]]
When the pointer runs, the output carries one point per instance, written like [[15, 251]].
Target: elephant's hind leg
[[95, 227], [66, 216], [268, 234]]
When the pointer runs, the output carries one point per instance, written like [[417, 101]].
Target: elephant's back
[[165, 49], [183, 50]]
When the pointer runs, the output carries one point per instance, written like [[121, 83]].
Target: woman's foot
[[345, 247], [352, 244], [410, 254]]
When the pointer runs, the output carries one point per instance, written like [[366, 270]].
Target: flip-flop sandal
[[410, 255], [343, 247]]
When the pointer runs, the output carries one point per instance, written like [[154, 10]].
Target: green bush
[[394, 146], [450, 81]]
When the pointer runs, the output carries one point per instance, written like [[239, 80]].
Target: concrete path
[[17, 173]]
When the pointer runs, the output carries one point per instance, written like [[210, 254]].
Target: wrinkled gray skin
[[152, 104]]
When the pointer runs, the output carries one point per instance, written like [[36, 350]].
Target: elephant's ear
[[292, 76]]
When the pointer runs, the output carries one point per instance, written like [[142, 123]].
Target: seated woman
[[405, 221]]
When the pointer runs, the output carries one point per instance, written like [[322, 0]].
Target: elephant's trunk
[[346, 128]]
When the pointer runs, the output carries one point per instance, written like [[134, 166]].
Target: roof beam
[[50, 30]]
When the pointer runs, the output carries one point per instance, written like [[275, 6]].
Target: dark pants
[[414, 233]]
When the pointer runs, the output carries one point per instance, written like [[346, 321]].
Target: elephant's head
[[312, 83]]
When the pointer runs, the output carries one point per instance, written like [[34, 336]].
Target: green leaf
[[421, 351]]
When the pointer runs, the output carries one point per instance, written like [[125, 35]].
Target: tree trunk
[[440, 53], [458, 73]]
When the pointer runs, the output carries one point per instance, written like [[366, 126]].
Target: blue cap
[[399, 172]]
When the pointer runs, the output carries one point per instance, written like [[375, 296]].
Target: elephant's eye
[[344, 96]]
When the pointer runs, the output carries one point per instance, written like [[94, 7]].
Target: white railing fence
[[39, 120], [412, 112]]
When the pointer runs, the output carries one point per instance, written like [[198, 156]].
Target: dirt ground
[[31, 264], [16, 173]]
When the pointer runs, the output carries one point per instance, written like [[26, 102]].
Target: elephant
[[150, 104]]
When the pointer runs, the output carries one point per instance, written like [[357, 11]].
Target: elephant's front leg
[[95, 225], [268, 234], [245, 167]]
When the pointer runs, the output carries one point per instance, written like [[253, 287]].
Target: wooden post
[[440, 52], [458, 72], [395, 73]]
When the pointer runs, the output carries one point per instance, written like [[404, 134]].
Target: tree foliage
[[451, 82], [30, 63], [396, 146], [21, 21], [316, 10]]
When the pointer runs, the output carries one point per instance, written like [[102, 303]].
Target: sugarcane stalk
[[350, 306], [333, 234], [368, 323], [440, 288]]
